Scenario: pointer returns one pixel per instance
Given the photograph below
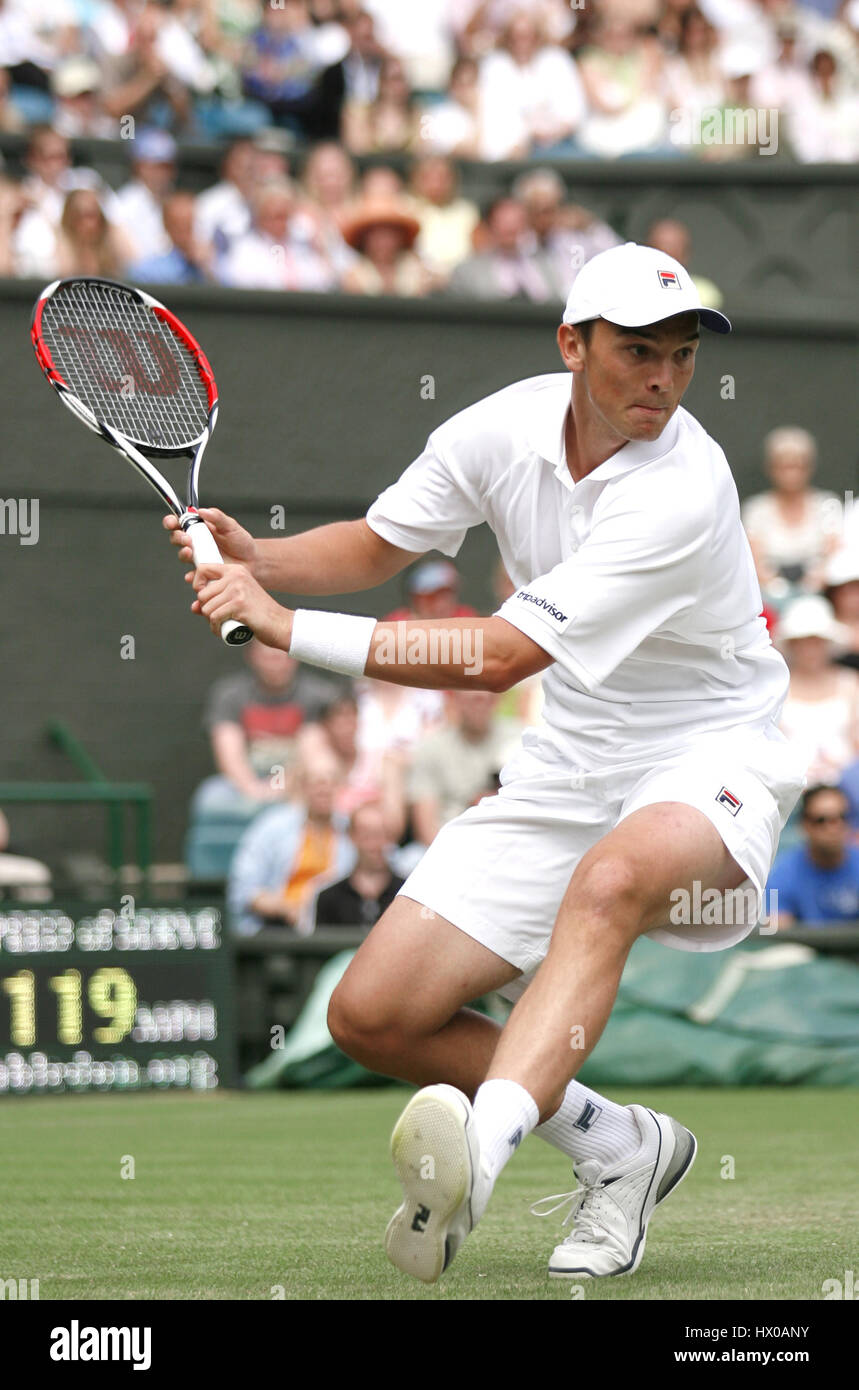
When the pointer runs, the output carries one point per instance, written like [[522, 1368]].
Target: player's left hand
[[230, 591]]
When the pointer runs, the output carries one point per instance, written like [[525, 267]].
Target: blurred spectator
[[420, 35], [432, 590], [76, 84], [21, 878], [49, 178], [294, 68], [393, 719], [818, 882], [674, 239], [821, 712], [823, 124], [329, 183], [693, 80], [363, 63], [785, 83], [223, 212], [364, 774], [384, 234], [11, 120], [480, 22], [189, 261], [12, 203], [391, 123], [447, 220], [287, 853], [360, 899], [452, 126], [276, 253], [141, 200], [793, 528], [252, 719], [87, 243], [273, 151], [141, 81], [842, 590], [532, 99], [380, 184], [849, 784], [622, 77], [456, 763], [509, 267], [566, 235]]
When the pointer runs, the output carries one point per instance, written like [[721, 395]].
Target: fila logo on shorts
[[588, 1117], [669, 279], [728, 799]]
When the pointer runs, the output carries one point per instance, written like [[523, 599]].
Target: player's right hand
[[237, 545]]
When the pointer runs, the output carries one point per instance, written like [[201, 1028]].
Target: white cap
[[843, 567], [633, 285], [811, 615]]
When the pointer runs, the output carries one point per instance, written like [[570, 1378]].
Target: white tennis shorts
[[500, 870]]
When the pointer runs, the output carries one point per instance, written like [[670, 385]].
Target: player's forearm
[[444, 654], [340, 558]]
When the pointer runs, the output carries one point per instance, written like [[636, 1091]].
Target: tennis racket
[[125, 366]]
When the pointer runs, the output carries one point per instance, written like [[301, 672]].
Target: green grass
[[236, 1194]]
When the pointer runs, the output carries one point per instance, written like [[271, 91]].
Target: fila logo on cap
[[728, 799], [669, 279]]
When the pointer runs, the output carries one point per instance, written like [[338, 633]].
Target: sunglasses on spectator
[[825, 820]]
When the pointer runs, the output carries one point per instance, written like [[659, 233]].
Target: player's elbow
[[512, 658]]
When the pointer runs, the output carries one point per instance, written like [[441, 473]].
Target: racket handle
[[206, 552]]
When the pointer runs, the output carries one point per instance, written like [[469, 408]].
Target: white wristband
[[335, 641]]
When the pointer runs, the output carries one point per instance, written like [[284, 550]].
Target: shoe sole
[[432, 1159], [685, 1149]]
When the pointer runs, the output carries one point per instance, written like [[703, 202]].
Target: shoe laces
[[584, 1204]]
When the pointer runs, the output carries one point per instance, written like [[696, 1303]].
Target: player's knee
[[610, 890], [361, 1028]]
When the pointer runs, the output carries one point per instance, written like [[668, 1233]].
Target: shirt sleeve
[[431, 507], [641, 566]]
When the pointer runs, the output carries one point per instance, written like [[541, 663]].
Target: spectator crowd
[[303, 94]]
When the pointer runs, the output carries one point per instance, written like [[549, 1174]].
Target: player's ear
[[572, 347]]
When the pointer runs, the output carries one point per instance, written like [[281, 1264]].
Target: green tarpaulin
[[764, 1013]]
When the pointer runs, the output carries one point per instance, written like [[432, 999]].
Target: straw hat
[[367, 214]]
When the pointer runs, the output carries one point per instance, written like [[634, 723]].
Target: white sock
[[590, 1126], [504, 1113]]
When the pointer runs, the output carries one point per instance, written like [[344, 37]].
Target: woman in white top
[[794, 528], [821, 712]]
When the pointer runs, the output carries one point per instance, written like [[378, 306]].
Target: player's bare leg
[[399, 1008], [619, 890]]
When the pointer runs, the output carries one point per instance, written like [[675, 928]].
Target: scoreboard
[[95, 1000]]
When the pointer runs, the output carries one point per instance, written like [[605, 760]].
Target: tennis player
[[660, 778]]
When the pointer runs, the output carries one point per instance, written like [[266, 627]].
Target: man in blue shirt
[[818, 882], [187, 262]]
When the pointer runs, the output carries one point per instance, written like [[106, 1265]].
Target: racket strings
[[126, 365]]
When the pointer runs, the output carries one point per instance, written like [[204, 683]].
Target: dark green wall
[[321, 408]]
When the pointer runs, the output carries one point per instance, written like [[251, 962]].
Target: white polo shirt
[[638, 580]]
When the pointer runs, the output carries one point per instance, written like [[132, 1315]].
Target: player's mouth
[[652, 410]]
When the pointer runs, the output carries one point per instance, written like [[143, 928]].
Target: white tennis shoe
[[445, 1187], [612, 1205]]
